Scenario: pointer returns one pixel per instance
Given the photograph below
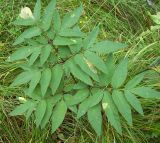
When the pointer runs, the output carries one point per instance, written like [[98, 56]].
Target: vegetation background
[[126, 21]]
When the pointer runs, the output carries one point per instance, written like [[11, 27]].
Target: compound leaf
[[45, 80], [122, 105], [95, 119], [111, 112], [120, 74], [58, 115]]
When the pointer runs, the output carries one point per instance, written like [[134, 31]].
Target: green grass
[[120, 20]]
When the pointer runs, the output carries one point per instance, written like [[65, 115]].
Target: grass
[[120, 20]]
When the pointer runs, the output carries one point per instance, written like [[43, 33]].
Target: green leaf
[[71, 18], [96, 61], [22, 108], [33, 42], [68, 98], [83, 108], [74, 32], [36, 76], [66, 69], [146, 92], [79, 97], [96, 97], [120, 74], [53, 58], [122, 105], [106, 47], [79, 85], [45, 80], [48, 15], [110, 64], [111, 112], [30, 110], [95, 119], [68, 87], [22, 78], [50, 103], [89, 102], [62, 41], [42, 40], [75, 48], [64, 52], [45, 53], [24, 22], [50, 34], [57, 73], [56, 98], [27, 34], [56, 21], [78, 73], [134, 102], [105, 78], [20, 54], [37, 10], [90, 39], [35, 55], [80, 60], [135, 81], [40, 111], [58, 115], [73, 109], [35, 95]]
